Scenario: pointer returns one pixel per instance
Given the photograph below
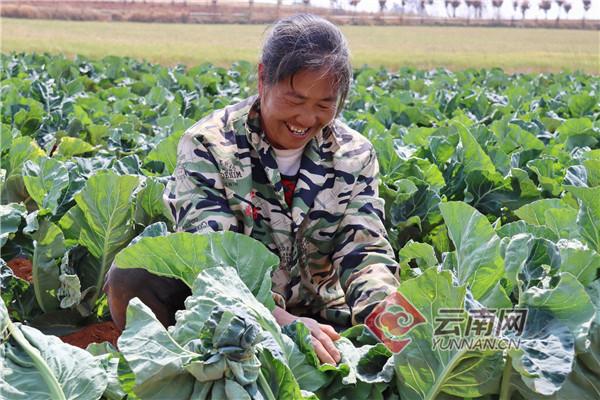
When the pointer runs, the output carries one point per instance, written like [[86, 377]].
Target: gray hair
[[307, 41]]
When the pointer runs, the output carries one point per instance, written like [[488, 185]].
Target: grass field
[[514, 50]]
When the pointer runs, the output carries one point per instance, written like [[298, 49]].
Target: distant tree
[[497, 4], [545, 5], [454, 4], [567, 8], [424, 5], [448, 4], [559, 3], [354, 3], [306, 3], [515, 7], [421, 7], [469, 4], [524, 7], [587, 4], [382, 5], [477, 6]]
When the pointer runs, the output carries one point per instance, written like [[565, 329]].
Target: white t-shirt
[[288, 161]]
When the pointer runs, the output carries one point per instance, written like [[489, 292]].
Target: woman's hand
[[323, 335]]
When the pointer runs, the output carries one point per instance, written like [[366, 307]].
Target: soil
[[100, 332], [21, 267]]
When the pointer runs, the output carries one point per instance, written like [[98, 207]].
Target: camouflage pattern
[[331, 242]]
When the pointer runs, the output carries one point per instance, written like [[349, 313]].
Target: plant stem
[[265, 386], [47, 374], [437, 387], [505, 385]]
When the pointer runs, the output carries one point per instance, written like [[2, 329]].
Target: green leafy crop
[[491, 185]]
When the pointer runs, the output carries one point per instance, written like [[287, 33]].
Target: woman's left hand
[[323, 335]]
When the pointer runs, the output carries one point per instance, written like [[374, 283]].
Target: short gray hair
[[307, 41]]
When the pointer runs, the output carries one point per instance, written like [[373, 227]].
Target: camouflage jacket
[[336, 262]]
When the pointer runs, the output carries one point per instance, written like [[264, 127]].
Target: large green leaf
[[528, 260], [49, 247], [22, 149], [563, 222], [474, 158], [477, 249], [220, 302], [588, 218], [45, 180], [514, 228], [568, 302], [70, 146], [425, 372], [581, 103], [305, 362], [422, 253], [149, 205], [121, 379], [10, 220], [575, 258], [534, 213], [155, 358], [545, 354], [107, 209], [368, 364], [577, 131], [166, 153], [584, 380], [278, 378], [36, 366], [556, 318], [184, 255]]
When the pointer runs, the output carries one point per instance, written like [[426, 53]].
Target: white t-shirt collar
[[288, 160]]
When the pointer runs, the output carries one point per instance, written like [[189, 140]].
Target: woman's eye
[[325, 107]]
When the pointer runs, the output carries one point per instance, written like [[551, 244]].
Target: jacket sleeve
[[362, 254], [195, 195]]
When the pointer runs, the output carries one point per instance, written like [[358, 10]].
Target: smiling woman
[[282, 169], [304, 77]]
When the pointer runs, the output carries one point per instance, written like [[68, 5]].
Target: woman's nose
[[307, 119]]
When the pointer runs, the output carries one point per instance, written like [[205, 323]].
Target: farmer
[[281, 168]]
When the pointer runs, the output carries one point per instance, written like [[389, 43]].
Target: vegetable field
[[492, 190]]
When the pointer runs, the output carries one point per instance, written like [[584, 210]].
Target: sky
[[438, 9]]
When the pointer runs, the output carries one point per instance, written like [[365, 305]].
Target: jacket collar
[[317, 160]]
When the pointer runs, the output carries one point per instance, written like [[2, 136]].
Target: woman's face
[[294, 110]]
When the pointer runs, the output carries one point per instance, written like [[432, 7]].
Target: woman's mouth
[[297, 131]]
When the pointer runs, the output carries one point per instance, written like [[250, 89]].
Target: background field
[[514, 50]]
